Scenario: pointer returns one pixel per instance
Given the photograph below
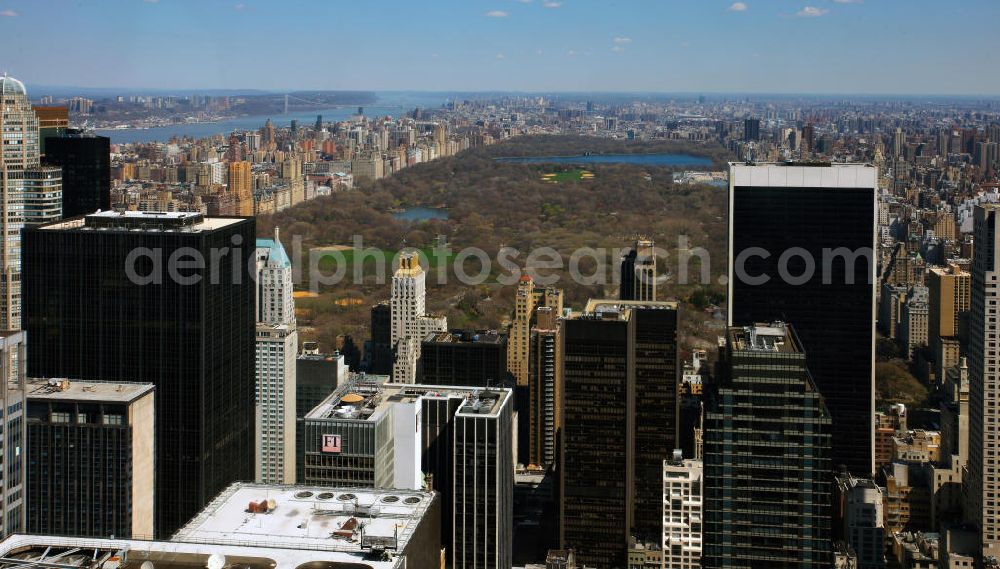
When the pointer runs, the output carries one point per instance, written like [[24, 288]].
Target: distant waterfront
[[640, 159], [393, 105]]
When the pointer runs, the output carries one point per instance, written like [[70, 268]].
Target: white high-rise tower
[[409, 321], [277, 347]]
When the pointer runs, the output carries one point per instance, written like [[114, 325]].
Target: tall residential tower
[[21, 176], [277, 349], [410, 322]]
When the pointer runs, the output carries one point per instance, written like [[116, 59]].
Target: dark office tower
[[380, 354], [545, 388], [189, 331], [319, 123], [294, 127], [85, 159], [778, 215], [316, 377], [619, 417], [766, 456], [483, 485], [69, 492], [638, 272], [473, 359], [808, 138], [751, 130], [437, 414]]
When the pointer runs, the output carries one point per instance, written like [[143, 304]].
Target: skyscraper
[[21, 174], [472, 359], [42, 200], [949, 293], [85, 159], [620, 374], [801, 242], [277, 348], [983, 478], [53, 121], [379, 353], [751, 130], [69, 424], [638, 272], [316, 377], [122, 296], [528, 297], [455, 440], [859, 518], [14, 435], [683, 512], [410, 323], [240, 185], [483, 483], [545, 388], [766, 456]]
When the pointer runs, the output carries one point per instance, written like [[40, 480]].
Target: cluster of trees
[[494, 204]]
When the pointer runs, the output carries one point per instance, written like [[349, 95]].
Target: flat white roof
[[307, 517], [792, 175], [73, 390]]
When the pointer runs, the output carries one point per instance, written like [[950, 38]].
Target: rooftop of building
[[802, 175], [612, 309], [318, 357], [348, 520], [409, 265], [10, 85], [490, 400], [953, 268], [360, 398], [58, 389], [150, 221], [465, 337], [276, 251], [366, 398], [776, 337]]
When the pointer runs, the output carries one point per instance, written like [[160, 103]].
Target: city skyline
[[807, 46]]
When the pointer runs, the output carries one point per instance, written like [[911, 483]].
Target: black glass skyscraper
[[751, 130], [801, 242], [619, 422], [468, 358], [189, 331], [766, 454], [85, 159], [380, 348]]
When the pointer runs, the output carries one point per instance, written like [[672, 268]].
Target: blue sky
[[771, 46]]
